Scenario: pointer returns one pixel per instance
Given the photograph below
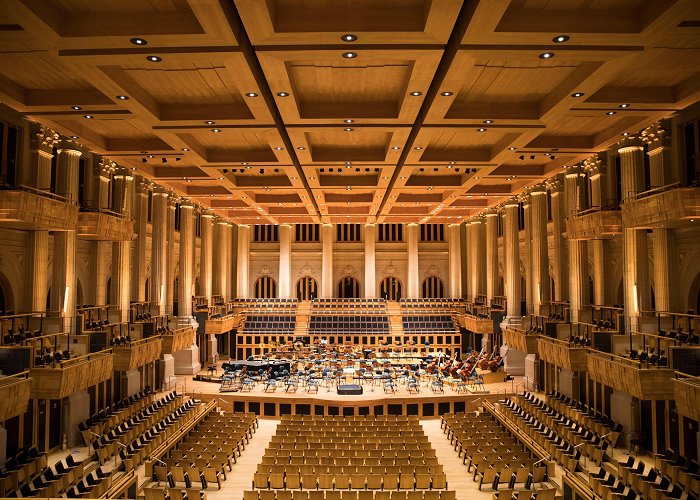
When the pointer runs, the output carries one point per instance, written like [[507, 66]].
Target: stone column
[[225, 248], [527, 255], [231, 268], [243, 262], [138, 268], [121, 250], [559, 244], [42, 141], [412, 271], [102, 252], [636, 270], [370, 261], [491, 256], [454, 253], [578, 250], [538, 248], [218, 258], [593, 166], [184, 298], [64, 282], [171, 256], [468, 262], [205, 255], [285, 259], [327, 261], [512, 262], [666, 259], [478, 258], [159, 247]]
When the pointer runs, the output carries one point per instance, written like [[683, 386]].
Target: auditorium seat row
[[345, 481], [348, 495], [158, 493]]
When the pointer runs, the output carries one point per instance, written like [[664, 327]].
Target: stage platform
[[373, 400]]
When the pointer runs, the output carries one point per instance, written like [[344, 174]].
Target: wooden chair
[[251, 495], [276, 481], [448, 495], [292, 482], [489, 476], [260, 481], [299, 495]]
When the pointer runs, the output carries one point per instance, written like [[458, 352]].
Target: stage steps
[[303, 312], [395, 319]]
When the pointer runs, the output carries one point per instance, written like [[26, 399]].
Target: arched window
[[265, 288], [307, 288], [348, 288], [391, 288], [433, 288]]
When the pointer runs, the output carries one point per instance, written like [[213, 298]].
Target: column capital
[[104, 168], [629, 144], [123, 172], [159, 190], [554, 184], [656, 136], [143, 185], [69, 147], [184, 203], [42, 138], [593, 165]]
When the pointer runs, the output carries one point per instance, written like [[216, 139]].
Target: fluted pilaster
[[412, 249], [159, 248], [205, 255], [491, 256], [454, 255], [285, 260], [512, 261], [243, 262], [370, 261], [121, 250], [185, 286], [138, 268], [538, 247]]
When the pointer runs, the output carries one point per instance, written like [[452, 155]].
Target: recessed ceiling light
[[154, 58], [279, 148], [481, 130], [578, 94], [446, 94], [349, 120], [560, 39], [88, 116], [416, 93], [138, 41], [546, 55], [348, 129], [76, 108], [624, 106], [216, 130], [488, 121], [251, 94], [185, 149], [511, 149], [73, 136], [418, 148], [610, 113], [282, 94], [348, 37], [209, 122], [625, 134], [150, 156], [122, 97], [301, 148], [349, 55], [395, 148]]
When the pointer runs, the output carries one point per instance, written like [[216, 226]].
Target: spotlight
[[122, 97], [610, 113], [74, 137], [521, 157], [154, 58], [89, 117], [416, 93], [348, 129], [532, 157], [144, 160], [577, 94], [488, 122], [624, 106], [216, 130], [446, 94], [277, 170], [546, 55], [164, 160], [481, 130], [282, 94], [185, 149], [349, 37], [560, 39], [251, 94], [138, 41], [76, 108], [552, 157], [349, 120], [226, 170], [349, 55]]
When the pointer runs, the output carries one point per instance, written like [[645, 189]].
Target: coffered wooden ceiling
[[252, 109]]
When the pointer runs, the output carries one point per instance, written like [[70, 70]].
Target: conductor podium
[[349, 390]]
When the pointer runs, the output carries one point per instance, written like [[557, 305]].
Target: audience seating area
[[265, 306], [348, 306], [270, 324], [159, 493], [206, 452], [428, 324], [349, 495], [432, 306], [349, 453], [495, 455], [340, 325]]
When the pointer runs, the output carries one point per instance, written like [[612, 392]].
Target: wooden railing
[[137, 353], [14, 394], [67, 377], [686, 390]]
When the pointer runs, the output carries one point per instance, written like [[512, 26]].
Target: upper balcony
[[177, 340], [686, 390], [104, 225], [68, 377], [594, 223], [522, 340], [34, 209], [14, 394], [562, 354], [636, 378], [665, 206], [137, 353]]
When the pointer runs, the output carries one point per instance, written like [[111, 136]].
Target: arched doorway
[[433, 288], [6, 299], [265, 288], [348, 288], [307, 288], [390, 288]]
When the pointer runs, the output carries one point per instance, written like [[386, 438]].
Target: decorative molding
[[390, 269], [432, 270], [306, 270], [348, 271]]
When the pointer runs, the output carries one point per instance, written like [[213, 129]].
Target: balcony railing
[[664, 206], [137, 353], [177, 340], [563, 354], [67, 377], [522, 340], [594, 223], [14, 394], [28, 208], [104, 225], [686, 390]]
